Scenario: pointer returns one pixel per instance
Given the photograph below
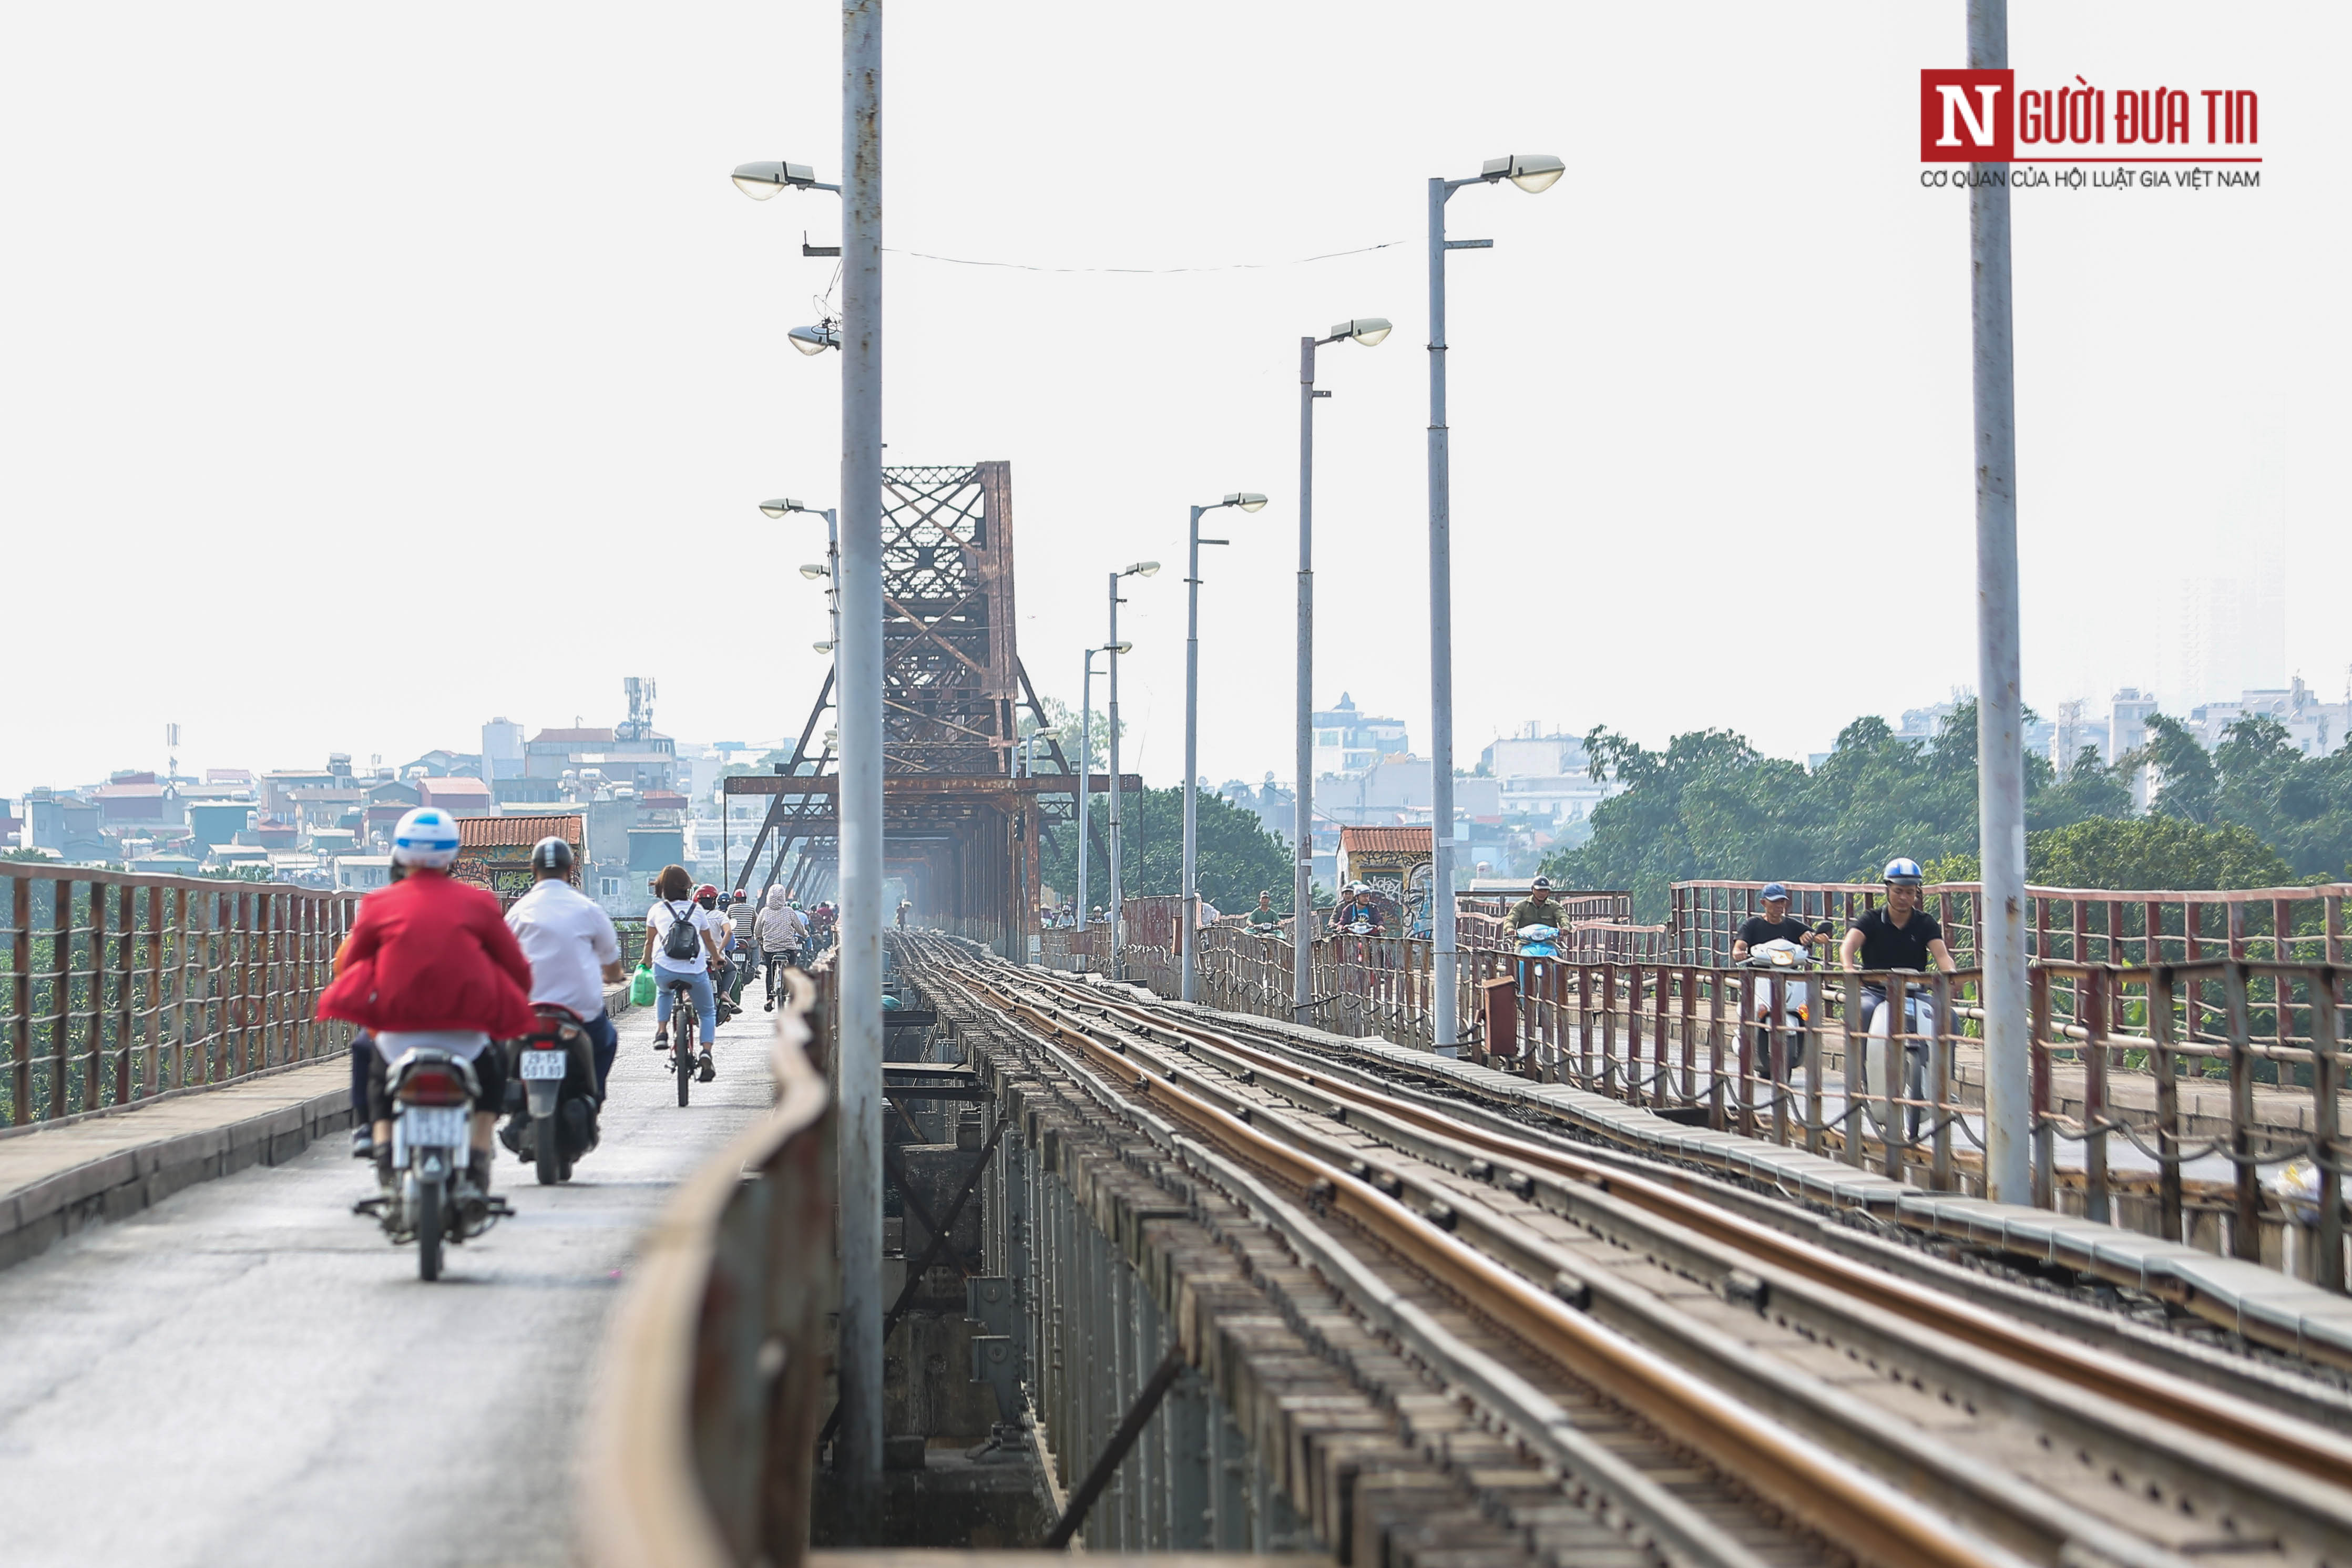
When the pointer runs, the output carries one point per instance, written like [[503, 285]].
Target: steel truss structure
[[962, 820]]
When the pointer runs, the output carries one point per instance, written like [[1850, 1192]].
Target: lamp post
[[857, 655], [1117, 906], [1370, 332], [2001, 720], [831, 569], [1530, 171], [1249, 501], [1085, 766]]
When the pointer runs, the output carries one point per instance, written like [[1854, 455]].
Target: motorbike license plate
[[432, 1126], [544, 1063]]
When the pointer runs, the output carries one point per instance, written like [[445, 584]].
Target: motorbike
[[1795, 996], [1535, 943], [1879, 1056], [552, 1093], [432, 1095]]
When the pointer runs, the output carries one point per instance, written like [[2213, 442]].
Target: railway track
[[1893, 1420]]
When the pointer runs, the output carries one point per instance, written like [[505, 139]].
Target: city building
[[502, 750], [64, 824], [460, 796], [1349, 741], [648, 762]]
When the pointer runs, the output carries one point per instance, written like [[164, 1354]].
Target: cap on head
[[1773, 890], [552, 857], [427, 838]]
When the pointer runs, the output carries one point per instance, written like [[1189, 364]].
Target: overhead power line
[[1143, 271]]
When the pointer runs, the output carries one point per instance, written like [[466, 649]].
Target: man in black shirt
[[1773, 926], [1902, 936]]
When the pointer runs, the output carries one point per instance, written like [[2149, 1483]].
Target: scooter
[[555, 1081], [1781, 956], [1919, 1026], [1538, 942], [432, 1095]]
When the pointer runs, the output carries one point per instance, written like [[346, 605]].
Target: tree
[[1237, 856], [2184, 772], [1063, 723], [2151, 852], [2092, 789]]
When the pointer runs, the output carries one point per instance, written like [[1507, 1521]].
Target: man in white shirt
[[573, 951]]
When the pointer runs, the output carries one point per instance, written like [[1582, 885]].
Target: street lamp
[[1086, 764], [1249, 501], [1117, 906], [761, 180], [814, 339], [814, 572], [1368, 330], [1530, 171]]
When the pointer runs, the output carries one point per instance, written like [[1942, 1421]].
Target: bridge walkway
[[247, 1373]]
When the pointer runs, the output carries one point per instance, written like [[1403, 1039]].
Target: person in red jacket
[[430, 962]]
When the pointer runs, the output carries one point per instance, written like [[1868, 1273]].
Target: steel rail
[[2037, 1521], [2289, 1441], [2253, 1480], [1827, 1491], [1620, 1493]]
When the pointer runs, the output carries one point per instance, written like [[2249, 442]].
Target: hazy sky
[[366, 371]]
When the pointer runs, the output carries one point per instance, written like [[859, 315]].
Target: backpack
[[683, 940]]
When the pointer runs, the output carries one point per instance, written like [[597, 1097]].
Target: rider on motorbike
[[431, 963], [573, 951], [1774, 925], [1265, 917], [1538, 908], [1902, 936], [1357, 909]]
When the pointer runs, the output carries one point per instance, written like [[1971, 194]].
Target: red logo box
[[1967, 117]]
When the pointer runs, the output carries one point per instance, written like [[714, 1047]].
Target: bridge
[[1617, 1282], [1620, 1278]]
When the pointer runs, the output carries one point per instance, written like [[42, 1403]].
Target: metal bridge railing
[[702, 1441], [124, 987], [2161, 1095], [2075, 924]]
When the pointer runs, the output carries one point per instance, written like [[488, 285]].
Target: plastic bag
[[641, 987]]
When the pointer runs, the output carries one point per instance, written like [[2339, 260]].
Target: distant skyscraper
[[2224, 635]]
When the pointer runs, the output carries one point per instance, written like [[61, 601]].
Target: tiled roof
[[488, 833], [1385, 841]]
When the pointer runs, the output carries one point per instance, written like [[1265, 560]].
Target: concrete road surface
[[250, 1375]]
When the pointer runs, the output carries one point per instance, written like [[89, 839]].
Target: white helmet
[[426, 837]]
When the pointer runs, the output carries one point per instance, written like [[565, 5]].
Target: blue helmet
[[1902, 872], [426, 837]]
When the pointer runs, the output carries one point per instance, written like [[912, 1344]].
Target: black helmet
[[552, 854]]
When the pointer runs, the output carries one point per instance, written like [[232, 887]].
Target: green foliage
[[1710, 806], [1238, 856], [1063, 723], [2154, 851]]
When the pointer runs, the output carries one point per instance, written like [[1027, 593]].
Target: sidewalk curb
[[118, 1184]]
